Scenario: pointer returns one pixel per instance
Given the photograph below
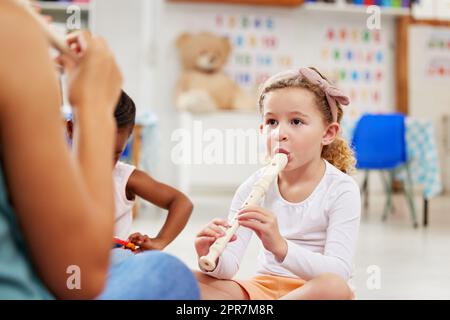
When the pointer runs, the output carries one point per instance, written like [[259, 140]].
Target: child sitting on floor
[[308, 221], [130, 182]]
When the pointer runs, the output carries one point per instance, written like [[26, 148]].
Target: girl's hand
[[145, 243], [94, 80], [209, 234], [264, 224]]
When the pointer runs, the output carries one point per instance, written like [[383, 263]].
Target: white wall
[[128, 27]]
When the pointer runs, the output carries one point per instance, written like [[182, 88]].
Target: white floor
[[393, 260]]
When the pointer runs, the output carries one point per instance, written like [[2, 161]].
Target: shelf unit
[[342, 7], [288, 3]]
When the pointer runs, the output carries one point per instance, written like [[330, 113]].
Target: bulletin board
[[261, 45], [429, 73], [423, 75], [423, 78], [267, 40]]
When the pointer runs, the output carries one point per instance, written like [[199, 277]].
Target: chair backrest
[[379, 141]]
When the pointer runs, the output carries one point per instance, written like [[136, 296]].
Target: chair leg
[[365, 190], [425, 212], [391, 184], [410, 196], [388, 189]]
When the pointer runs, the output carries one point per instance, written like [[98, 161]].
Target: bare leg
[[327, 286], [215, 289]]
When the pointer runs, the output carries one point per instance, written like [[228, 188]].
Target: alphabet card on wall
[[354, 58], [261, 45]]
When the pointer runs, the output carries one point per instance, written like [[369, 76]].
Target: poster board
[[266, 41]]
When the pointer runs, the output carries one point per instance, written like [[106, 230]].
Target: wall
[[129, 27], [306, 38]]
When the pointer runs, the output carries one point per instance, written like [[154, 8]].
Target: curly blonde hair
[[338, 153]]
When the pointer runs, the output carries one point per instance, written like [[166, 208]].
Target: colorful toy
[[118, 243]]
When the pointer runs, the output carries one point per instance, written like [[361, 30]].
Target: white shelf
[[62, 6], [352, 8]]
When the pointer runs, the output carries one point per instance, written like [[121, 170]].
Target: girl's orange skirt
[[269, 287]]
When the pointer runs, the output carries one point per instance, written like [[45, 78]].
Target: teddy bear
[[203, 86]]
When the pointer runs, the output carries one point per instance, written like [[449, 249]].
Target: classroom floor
[[412, 263]]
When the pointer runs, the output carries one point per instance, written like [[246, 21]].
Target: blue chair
[[379, 144]]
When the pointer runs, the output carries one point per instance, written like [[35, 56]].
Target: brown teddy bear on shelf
[[203, 86]]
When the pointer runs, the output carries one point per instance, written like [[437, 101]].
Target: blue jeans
[[150, 275]]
